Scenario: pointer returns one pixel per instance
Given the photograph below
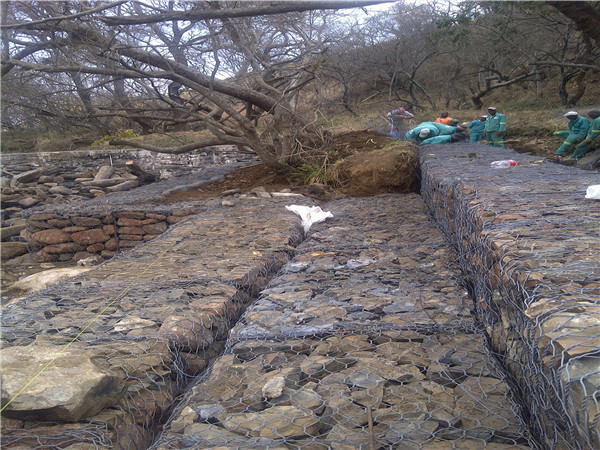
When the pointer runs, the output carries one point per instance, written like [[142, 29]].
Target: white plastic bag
[[593, 192], [309, 214]]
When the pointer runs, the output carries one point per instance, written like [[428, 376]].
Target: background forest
[[271, 77]]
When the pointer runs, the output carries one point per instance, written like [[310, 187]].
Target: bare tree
[[220, 64]]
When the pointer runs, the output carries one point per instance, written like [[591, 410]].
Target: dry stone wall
[[529, 246], [77, 235]]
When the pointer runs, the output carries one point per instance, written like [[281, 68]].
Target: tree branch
[[273, 8], [180, 149], [563, 64], [28, 25]]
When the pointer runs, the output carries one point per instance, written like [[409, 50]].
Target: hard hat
[[483, 117], [492, 108], [571, 113], [594, 113], [424, 132]]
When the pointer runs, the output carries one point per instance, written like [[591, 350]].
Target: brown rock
[[149, 406], [38, 224], [68, 247], [51, 236], [175, 219], [43, 217], [130, 230], [111, 245], [74, 229], [89, 222], [156, 228], [193, 332], [42, 256], [95, 248], [131, 237], [10, 250], [59, 223], [129, 222], [90, 237], [157, 217], [109, 229], [140, 215]]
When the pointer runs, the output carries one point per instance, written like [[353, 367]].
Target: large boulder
[[42, 280], [43, 382]]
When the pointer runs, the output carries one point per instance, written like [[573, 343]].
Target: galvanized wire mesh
[[363, 340], [363, 336], [528, 242], [127, 337]]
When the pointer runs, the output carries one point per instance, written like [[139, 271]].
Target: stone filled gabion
[[235, 328], [368, 334], [528, 244]]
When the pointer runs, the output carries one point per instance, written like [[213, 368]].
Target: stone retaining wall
[[529, 247], [111, 349], [363, 340], [75, 236], [366, 337]]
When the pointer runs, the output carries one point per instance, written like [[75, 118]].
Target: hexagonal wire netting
[[362, 336]]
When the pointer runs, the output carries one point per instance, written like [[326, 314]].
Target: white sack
[[309, 214], [593, 192]]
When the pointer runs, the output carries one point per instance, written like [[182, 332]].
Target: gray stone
[[8, 232], [68, 385], [29, 176], [274, 423], [28, 202], [9, 250], [62, 190], [274, 387]]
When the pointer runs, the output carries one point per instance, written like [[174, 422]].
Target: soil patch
[[244, 179]]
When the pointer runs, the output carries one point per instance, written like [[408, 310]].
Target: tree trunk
[[585, 15]]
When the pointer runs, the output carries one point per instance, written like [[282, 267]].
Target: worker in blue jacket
[[587, 145], [477, 128], [495, 127], [445, 139], [578, 130]]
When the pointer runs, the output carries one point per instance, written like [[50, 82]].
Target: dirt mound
[[392, 169]]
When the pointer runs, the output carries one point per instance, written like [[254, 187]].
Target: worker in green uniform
[[578, 129], [586, 145], [495, 126], [435, 129], [413, 134], [445, 139]]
